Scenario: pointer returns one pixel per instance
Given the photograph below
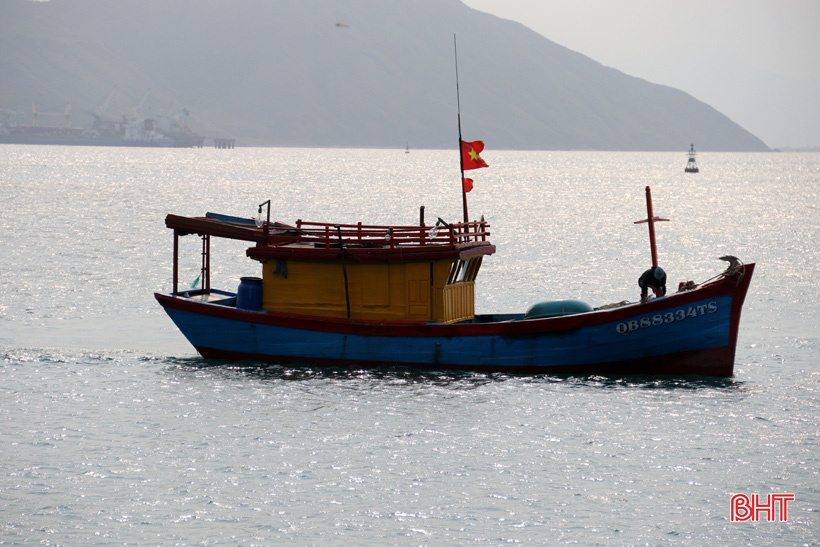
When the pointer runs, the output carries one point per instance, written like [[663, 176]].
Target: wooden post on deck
[[205, 273], [207, 280], [176, 261], [344, 269], [651, 220]]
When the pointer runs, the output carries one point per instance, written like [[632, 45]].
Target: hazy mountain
[[359, 73]]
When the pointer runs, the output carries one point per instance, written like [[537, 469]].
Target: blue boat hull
[[693, 332]]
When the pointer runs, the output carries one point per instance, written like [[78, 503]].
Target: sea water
[[114, 431]]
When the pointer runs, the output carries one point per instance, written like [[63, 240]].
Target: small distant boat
[[691, 166], [407, 150]]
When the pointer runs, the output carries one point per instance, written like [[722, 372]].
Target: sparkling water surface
[[114, 431]]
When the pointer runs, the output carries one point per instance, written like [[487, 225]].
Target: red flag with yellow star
[[470, 155]]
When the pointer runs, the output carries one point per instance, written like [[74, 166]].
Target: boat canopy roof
[[321, 240]]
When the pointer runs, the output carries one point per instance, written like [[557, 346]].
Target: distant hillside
[[358, 73]]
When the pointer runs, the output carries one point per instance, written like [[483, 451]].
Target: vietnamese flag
[[467, 184], [470, 155]]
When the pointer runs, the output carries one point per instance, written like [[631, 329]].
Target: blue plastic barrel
[[249, 295]]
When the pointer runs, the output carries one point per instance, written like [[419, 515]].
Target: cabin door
[[419, 291]]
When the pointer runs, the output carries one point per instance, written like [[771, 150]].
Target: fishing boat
[[691, 165], [366, 296], [361, 295]]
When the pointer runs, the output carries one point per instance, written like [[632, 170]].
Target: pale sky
[[756, 61]]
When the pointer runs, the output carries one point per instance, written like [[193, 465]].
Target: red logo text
[[773, 507]]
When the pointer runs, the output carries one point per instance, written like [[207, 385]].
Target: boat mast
[[460, 153], [651, 220]]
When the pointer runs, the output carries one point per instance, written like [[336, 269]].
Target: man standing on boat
[[654, 277]]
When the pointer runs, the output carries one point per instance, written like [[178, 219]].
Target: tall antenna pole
[[460, 152]]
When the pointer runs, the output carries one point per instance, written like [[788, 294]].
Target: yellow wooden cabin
[[405, 276], [434, 290]]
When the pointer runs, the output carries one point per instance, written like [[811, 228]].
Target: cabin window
[[475, 264], [454, 272], [464, 270]]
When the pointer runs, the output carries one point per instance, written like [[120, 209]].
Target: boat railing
[[327, 235]]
